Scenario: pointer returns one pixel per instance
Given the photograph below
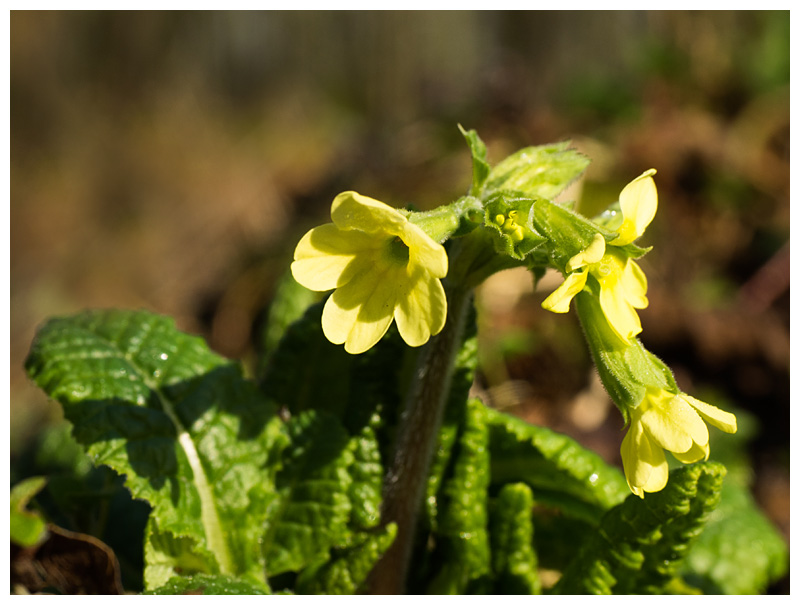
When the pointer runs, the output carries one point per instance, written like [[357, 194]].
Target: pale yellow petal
[[323, 253], [351, 210], [359, 313], [592, 254], [634, 282], [338, 321], [621, 315], [658, 477], [638, 202], [713, 415], [673, 424], [695, 453], [421, 309], [559, 299], [366, 335], [643, 461], [422, 250]]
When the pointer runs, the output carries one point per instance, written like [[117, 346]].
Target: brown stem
[[417, 435]]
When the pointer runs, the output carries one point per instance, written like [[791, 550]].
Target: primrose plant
[[367, 467]]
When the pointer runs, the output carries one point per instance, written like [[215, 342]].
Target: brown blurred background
[[170, 161]]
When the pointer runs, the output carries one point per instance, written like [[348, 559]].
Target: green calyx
[[626, 370], [453, 220], [509, 219]]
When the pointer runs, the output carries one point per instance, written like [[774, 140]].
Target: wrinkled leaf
[[543, 171], [561, 473], [307, 372], [192, 437], [366, 472], [739, 551], [347, 569], [313, 509], [641, 543], [464, 368], [462, 533], [514, 561], [205, 584]]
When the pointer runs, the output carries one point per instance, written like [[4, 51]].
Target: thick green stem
[[418, 431]]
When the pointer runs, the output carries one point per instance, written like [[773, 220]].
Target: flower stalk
[[418, 430]]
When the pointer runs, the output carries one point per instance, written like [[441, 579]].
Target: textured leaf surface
[[463, 375], [641, 543], [313, 510], [543, 171], [514, 561], [560, 472], [462, 532], [192, 437], [366, 472], [348, 568], [205, 584], [308, 372], [739, 551]]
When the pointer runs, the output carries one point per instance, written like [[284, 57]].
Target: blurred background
[[171, 161]]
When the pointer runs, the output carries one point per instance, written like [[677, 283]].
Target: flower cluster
[[660, 416], [622, 283], [384, 265]]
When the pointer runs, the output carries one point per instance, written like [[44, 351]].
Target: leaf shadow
[[218, 414]]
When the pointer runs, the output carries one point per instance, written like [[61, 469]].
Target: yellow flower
[[382, 266], [623, 285], [665, 421]]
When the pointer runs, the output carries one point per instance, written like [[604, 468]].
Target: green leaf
[[464, 368], [366, 472], [561, 473], [640, 544], [514, 561], [543, 171], [347, 569], [166, 554], [462, 533], [739, 551], [205, 584], [480, 167], [307, 372], [27, 527], [192, 436], [288, 305], [313, 510]]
